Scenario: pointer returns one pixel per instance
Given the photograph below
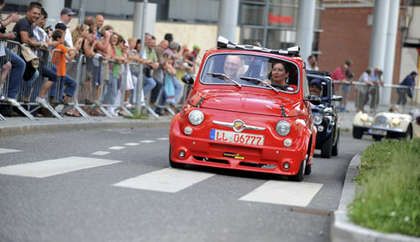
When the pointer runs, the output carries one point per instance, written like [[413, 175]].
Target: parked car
[[245, 121], [390, 124], [325, 113], [415, 113]]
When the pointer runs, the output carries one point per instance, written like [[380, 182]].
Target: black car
[[324, 112]]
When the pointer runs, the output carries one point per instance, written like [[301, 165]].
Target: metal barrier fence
[[103, 87], [360, 96], [106, 87], [12, 83]]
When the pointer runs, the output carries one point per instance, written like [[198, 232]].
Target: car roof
[[318, 73]]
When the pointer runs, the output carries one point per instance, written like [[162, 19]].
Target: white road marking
[[5, 151], [286, 193], [147, 141], [163, 138], [131, 144], [101, 152], [48, 168], [116, 147], [165, 180]]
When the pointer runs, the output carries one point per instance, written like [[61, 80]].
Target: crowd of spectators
[[110, 60]]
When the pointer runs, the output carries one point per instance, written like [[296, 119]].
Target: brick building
[[346, 34]]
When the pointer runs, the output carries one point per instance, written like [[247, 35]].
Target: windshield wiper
[[246, 78], [223, 76]]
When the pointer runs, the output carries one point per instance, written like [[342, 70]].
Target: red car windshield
[[252, 71]]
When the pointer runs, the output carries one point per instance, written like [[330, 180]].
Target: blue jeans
[[49, 73], [178, 89], [110, 90], [178, 93], [16, 74], [68, 90], [148, 85]]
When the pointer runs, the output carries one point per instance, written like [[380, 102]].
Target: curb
[[80, 125], [342, 229]]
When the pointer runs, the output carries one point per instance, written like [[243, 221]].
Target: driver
[[232, 66], [315, 87]]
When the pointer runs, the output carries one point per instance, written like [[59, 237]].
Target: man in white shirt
[[39, 32], [312, 63], [362, 89], [66, 16]]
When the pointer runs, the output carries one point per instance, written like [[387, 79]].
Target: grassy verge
[[389, 180], [138, 115]]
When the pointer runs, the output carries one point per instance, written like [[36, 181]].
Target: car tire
[[299, 176], [308, 169], [174, 164], [326, 148], [334, 151], [357, 133], [409, 133], [377, 137]]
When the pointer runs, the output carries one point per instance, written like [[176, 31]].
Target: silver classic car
[[384, 124]]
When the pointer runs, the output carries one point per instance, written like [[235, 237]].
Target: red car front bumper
[[206, 152]]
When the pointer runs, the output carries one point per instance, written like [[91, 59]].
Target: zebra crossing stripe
[[116, 147], [54, 167], [131, 144], [101, 152], [147, 141], [5, 151], [165, 180], [285, 193]]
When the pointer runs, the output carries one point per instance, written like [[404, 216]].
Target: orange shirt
[[59, 59]]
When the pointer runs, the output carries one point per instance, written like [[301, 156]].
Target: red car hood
[[252, 103]]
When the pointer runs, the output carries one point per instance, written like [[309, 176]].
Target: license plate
[[377, 132], [236, 138]]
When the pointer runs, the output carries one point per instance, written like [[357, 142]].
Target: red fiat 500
[[248, 110]]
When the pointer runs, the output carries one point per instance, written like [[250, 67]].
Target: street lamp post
[[82, 11], [140, 100]]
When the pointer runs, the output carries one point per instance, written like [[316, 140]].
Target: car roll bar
[[223, 43]]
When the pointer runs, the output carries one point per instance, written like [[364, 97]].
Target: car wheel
[[299, 176], [326, 148], [334, 151], [409, 133], [308, 169], [377, 137], [174, 164], [357, 133]]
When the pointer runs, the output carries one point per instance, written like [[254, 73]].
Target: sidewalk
[[21, 125]]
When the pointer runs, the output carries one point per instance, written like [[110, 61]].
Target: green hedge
[[389, 180]]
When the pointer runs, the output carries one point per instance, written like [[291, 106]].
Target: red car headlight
[[196, 117], [283, 128]]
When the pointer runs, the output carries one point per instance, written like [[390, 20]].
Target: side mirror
[[336, 98], [312, 98], [187, 79]]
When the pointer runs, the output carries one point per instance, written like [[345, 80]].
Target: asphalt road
[[115, 185]]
